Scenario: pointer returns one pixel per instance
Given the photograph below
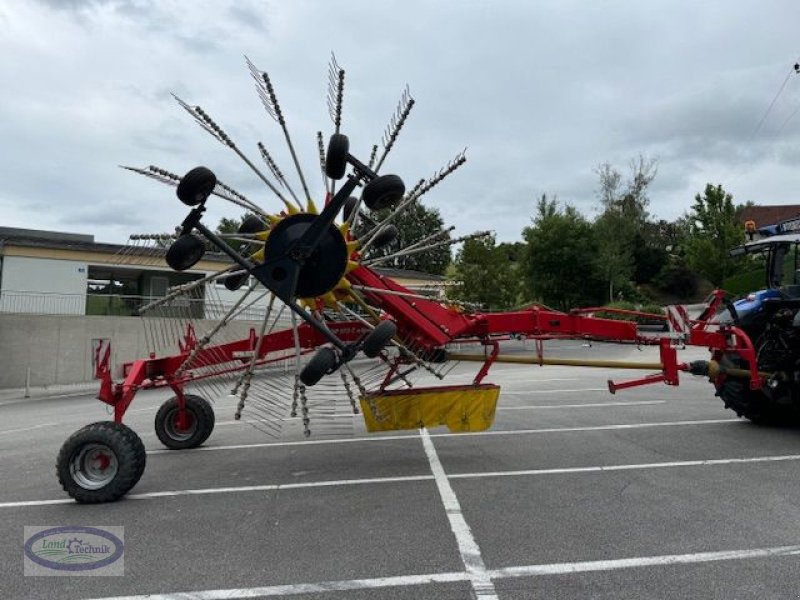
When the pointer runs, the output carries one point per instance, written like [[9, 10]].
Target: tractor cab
[[780, 255]]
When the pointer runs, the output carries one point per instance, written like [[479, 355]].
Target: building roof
[[764, 215]]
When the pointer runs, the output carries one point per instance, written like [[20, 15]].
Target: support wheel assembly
[[323, 362], [383, 192], [100, 462], [336, 157], [193, 431], [377, 339], [185, 252]]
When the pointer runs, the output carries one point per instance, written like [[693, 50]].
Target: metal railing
[[117, 305]]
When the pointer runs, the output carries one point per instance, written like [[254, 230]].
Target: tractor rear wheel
[[100, 462], [754, 405], [198, 426]]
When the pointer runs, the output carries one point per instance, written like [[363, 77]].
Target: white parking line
[[385, 438], [558, 391], [641, 466], [508, 572], [407, 478], [31, 428], [467, 545], [583, 405]]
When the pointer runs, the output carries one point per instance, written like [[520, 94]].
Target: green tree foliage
[[627, 248], [414, 224], [227, 225], [559, 257], [487, 274], [713, 232]]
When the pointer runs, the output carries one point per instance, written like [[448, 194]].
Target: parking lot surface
[[655, 492]]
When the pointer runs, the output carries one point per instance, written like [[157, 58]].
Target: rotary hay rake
[[308, 275]]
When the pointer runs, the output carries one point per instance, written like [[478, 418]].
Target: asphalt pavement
[[655, 492]]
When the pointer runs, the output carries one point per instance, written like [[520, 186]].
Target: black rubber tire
[[383, 192], [336, 157], [323, 362], [385, 236], [127, 451], [234, 282], [202, 418], [377, 339], [252, 224], [348, 207], [185, 252], [753, 405], [196, 186]]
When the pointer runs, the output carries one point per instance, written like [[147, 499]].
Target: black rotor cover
[[326, 265]]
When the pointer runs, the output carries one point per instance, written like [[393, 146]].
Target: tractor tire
[[322, 363], [185, 252], [201, 423], [377, 339], [383, 192], [196, 186], [336, 157], [754, 405], [100, 462]]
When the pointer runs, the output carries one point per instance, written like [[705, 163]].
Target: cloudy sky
[[540, 92]]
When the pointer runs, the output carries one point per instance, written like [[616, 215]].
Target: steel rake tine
[[335, 92], [217, 132], [383, 259], [270, 101], [443, 173], [276, 172], [221, 190], [396, 123], [321, 149], [372, 155]]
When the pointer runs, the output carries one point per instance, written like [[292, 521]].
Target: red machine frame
[[430, 325]]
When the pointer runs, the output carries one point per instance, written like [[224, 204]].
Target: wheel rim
[[174, 431], [94, 467]]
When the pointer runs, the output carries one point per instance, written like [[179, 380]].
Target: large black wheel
[[322, 363], [199, 423], [336, 157], [383, 192], [377, 339], [196, 186], [755, 405], [185, 252], [234, 282], [326, 265], [252, 224], [100, 462]]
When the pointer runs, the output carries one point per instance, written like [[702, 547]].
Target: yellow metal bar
[[569, 362]]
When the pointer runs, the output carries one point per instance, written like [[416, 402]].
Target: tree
[[625, 249], [415, 223], [713, 232], [227, 225], [559, 259], [486, 273]]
